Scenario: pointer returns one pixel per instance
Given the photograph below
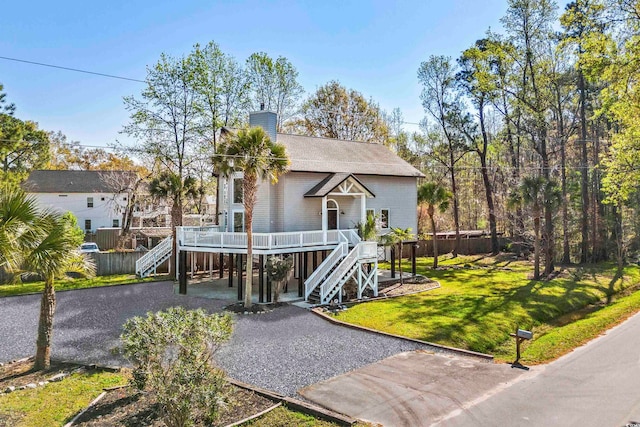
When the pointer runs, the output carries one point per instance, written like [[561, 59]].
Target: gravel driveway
[[283, 350]]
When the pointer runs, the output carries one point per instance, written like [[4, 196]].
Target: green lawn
[[68, 284], [284, 417], [56, 403], [484, 299]]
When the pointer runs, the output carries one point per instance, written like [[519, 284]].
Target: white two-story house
[[89, 195]]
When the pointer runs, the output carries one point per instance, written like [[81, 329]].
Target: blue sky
[[374, 47]]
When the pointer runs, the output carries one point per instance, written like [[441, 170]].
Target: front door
[[332, 216]]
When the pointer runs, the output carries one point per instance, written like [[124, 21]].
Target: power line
[[112, 76]]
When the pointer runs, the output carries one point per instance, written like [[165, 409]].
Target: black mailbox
[[527, 335]]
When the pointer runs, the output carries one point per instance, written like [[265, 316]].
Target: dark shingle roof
[[312, 154], [332, 180], [72, 181]]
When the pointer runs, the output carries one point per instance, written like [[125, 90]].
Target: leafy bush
[[171, 352], [278, 270]]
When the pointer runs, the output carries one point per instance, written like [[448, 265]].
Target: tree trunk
[[599, 251], [176, 221], [456, 214], [435, 242], [249, 184], [45, 326], [495, 246], [536, 244], [566, 253], [584, 175]]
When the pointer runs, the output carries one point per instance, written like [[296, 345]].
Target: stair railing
[[327, 289], [154, 257], [325, 267]]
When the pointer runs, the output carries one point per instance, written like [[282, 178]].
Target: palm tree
[[169, 186], [536, 192], [54, 254], [252, 152], [19, 227], [436, 197], [36, 241], [368, 230], [399, 236]]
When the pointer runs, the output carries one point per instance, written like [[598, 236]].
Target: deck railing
[[212, 237]]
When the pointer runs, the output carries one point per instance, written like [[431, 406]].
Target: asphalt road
[[595, 385], [283, 350]]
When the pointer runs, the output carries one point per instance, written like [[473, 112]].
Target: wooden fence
[[470, 246], [108, 263]]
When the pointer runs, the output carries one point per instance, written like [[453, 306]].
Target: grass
[[563, 335], [482, 300], [285, 417], [56, 403], [69, 284]]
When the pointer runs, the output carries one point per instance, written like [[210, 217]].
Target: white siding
[[106, 207]]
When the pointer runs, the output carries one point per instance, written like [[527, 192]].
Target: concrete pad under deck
[[212, 287], [412, 388]]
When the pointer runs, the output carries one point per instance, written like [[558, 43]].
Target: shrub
[[278, 270], [171, 352]]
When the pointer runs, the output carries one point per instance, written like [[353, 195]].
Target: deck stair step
[[149, 262]]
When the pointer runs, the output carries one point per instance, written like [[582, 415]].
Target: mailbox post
[[520, 336]]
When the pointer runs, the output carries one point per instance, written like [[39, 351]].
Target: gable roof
[[332, 181], [73, 181], [313, 154]]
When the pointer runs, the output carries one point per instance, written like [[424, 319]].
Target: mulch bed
[[239, 308], [410, 285], [128, 407], [21, 373]]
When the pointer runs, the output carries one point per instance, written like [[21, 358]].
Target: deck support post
[[393, 262], [230, 270], [261, 278], [269, 294], [414, 246], [220, 265], [182, 276], [305, 265], [239, 274], [300, 278]]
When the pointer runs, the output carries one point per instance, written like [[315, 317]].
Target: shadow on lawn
[[481, 322]]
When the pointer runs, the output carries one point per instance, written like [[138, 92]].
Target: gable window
[[238, 221], [87, 224], [238, 196], [116, 223], [89, 202], [384, 218]]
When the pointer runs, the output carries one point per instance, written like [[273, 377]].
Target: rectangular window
[[237, 191], [87, 224], [116, 223], [238, 222], [62, 195], [384, 218], [89, 202], [371, 212]]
